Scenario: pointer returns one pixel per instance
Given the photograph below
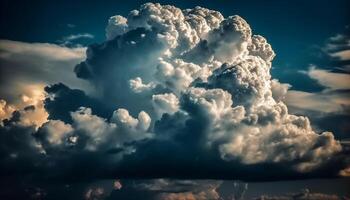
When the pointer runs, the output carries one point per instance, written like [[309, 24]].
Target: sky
[[174, 99]]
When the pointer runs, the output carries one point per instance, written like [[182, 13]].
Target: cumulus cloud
[[165, 103], [252, 139], [92, 133], [279, 90], [55, 131], [192, 96], [5, 110], [29, 106], [137, 86], [117, 25]]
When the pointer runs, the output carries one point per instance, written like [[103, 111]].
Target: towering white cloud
[[231, 86], [199, 84]]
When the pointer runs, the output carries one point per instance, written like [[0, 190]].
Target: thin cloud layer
[[333, 99], [24, 66], [181, 94]]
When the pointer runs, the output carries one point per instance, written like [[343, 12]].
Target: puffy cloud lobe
[[229, 41], [286, 143], [32, 116], [5, 110], [214, 109], [93, 133], [165, 103], [268, 135], [260, 47], [29, 110], [94, 128], [279, 90], [55, 132], [178, 75], [248, 81], [177, 29], [137, 86], [203, 20], [117, 25], [122, 117], [212, 103]]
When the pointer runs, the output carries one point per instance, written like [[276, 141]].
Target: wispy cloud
[[342, 55], [338, 47], [74, 38], [78, 36], [333, 99], [328, 79], [71, 25], [23, 64]]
